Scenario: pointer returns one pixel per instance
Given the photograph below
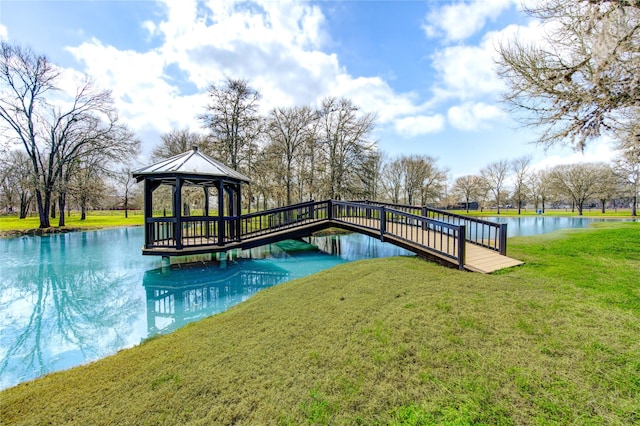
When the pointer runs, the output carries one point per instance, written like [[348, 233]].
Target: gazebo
[[185, 184]]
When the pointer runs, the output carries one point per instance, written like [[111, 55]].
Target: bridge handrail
[[280, 218], [480, 232], [449, 237]]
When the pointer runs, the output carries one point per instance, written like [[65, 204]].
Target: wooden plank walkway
[[477, 258]]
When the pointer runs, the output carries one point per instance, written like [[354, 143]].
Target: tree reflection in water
[[61, 308]]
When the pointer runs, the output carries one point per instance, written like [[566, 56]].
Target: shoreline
[[53, 230]]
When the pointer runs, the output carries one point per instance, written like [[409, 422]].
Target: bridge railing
[[282, 218], [443, 238], [481, 232]]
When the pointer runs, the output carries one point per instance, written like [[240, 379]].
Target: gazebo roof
[[192, 164]]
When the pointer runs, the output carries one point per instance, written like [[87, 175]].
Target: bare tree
[[467, 188], [520, 167], [178, 141], [126, 186], [344, 140], [55, 128], [608, 186], [232, 119], [627, 168], [494, 175], [288, 129], [539, 185], [583, 77], [369, 175], [579, 181], [16, 182], [392, 179]]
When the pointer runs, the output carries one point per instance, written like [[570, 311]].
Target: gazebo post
[[148, 213], [220, 212], [177, 212], [206, 212], [239, 211]]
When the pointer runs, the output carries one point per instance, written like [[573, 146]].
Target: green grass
[[94, 219], [395, 341]]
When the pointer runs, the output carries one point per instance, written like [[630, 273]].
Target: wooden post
[[206, 212], [383, 223], [503, 239], [177, 212], [239, 212], [462, 240], [220, 213]]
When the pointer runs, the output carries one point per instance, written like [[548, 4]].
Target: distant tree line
[[300, 153]]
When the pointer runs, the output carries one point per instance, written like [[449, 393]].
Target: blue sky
[[426, 68]]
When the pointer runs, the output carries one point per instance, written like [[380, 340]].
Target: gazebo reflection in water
[[190, 293]]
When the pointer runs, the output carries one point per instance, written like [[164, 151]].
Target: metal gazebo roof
[[191, 164]]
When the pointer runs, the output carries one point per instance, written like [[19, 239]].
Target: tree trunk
[[519, 207], [603, 205], [83, 210], [53, 210], [62, 201], [126, 207], [634, 206], [43, 209], [25, 202]]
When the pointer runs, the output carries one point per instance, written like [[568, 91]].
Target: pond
[[534, 225], [68, 299]]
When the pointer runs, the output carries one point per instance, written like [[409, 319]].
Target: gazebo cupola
[[190, 201]]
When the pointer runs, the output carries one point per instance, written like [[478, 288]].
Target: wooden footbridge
[[464, 242]]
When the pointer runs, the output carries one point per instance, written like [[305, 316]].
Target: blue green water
[[68, 299], [534, 225]]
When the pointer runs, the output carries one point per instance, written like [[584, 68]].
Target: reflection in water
[[181, 296], [59, 309], [72, 298]]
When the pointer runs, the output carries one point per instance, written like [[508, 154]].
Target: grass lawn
[[388, 341], [94, 220]]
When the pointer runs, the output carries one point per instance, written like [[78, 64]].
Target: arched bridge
[[464, 242]]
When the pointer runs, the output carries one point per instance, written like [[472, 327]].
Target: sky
[[425, 68]]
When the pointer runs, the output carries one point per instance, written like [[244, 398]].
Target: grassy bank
[[11, 224], [388, 341]]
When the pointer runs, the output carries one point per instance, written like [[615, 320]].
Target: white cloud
[[275, 45], [459, 21], [474, 116], [373, 94], [420, 125], [4, 33], [467, 72]]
